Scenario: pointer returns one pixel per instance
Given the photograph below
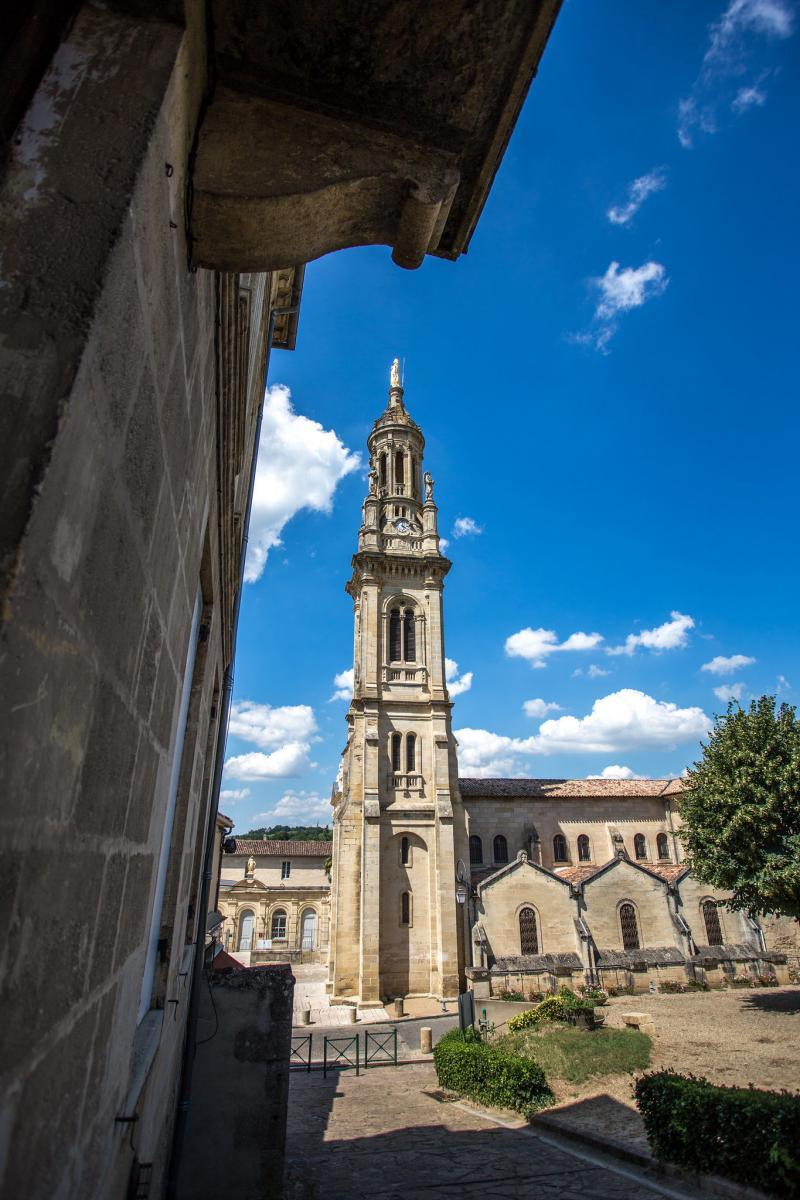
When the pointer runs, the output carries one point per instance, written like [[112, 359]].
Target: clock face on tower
[[402, 526]]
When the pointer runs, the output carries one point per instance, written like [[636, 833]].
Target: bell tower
[[398, 823]]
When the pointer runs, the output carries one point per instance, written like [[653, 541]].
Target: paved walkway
[[390, 1134]]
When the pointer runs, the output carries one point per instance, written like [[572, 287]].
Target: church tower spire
[[398, 821]]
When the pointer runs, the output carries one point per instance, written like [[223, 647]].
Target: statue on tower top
[[394, 375]]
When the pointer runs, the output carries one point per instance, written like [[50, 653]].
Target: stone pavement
[[390, 1134]]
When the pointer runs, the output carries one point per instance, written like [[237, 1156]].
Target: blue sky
[[608, 386]]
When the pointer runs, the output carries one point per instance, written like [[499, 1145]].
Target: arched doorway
[[308, 929], [247, 922]]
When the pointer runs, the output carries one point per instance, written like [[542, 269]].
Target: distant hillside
[[290, 833]]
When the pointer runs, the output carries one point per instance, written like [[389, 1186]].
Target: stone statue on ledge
[[250, 868], [428, 486], [394, 375]]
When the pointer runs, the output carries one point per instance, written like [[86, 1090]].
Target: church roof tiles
[[568, 788], [276, 849]]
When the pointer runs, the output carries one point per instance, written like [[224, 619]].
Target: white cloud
[[540, 708], [287, 762], [305, 808], [482, 754], [782, 685], [456, 686], [443, 544], [631, 287], [267, 727], [729, 49], [669, 636], [638, 191], [299, 466], [748, 97], [615, 772], [722, 665], [727, 692], [595, 672], [620, 291], [343, 684], [623, 720], [287, 732], [536, 645], [233, 795], [465, 526]]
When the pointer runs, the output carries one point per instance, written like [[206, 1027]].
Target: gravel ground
[[733, 1038]]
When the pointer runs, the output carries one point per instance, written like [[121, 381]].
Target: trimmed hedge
[[491, 1076], [744, 1134], [564, 1006]]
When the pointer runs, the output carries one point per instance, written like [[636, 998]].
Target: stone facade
[[275, 900], [596, 891]]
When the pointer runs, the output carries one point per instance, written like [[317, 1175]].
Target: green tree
[[741, 808]]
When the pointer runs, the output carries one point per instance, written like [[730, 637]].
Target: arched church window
[[629, 926], [398, 471], [396, 743], [382, 469], [500, 849], [475, 850], [640, 845], [560, 848], [713, 927], [584, 849], [409, 636], [411, 752], [662, 842], [278, 925], [528, 935], [395, 636], [405, 852], [405, 908]]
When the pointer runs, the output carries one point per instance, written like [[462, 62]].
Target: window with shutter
[[528, 936], [629, 926], [395, 650]]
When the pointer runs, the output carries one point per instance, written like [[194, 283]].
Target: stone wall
[[112, 531], [236, 1132], [525, 885]]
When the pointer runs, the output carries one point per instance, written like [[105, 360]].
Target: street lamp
[[462, 892]]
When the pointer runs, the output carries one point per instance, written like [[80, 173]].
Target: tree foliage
[[290, 833], [741, 808]]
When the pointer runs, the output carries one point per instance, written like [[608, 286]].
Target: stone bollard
[[426, 1039], [398, 1006], [352, 1014]]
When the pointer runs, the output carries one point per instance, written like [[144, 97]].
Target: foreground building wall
[[131, 382]]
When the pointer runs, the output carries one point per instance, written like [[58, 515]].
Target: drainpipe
[[182, 1114]]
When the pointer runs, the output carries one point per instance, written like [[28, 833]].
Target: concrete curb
[[708, 1185]]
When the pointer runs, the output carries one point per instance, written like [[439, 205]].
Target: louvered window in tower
[[395, 636], [397, 743], [713, 927], [398, 472], [528, 936], [382, 469], [411, 753], [409, 636], [629, 926]]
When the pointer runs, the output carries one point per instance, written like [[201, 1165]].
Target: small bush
[[489, 1074], [671, 987], [621, 991], [512, 996], [697, 985], [564, 1006], [535, 997], [767, 981], [745, 1134]]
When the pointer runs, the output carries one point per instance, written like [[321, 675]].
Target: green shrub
[[490, 1075], [564, 1006], [744, 1134], [697, 985], [512, 996]]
